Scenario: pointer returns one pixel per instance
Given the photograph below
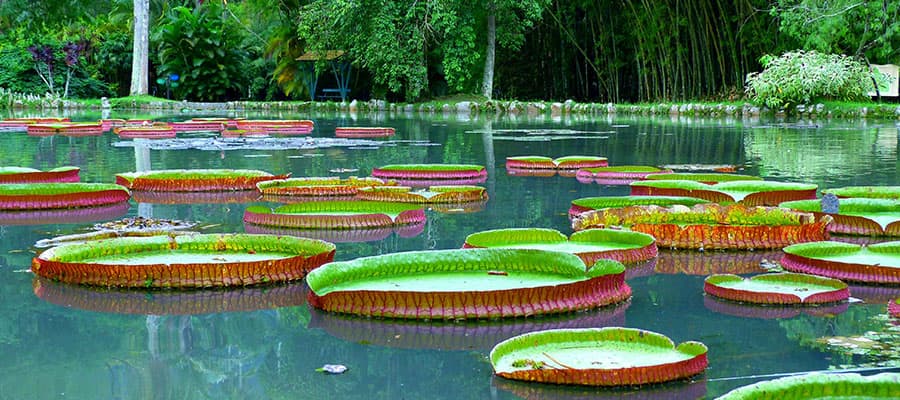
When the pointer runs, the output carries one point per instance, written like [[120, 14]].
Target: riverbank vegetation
[[589, 51]]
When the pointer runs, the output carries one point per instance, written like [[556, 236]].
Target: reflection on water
[[266, 343]]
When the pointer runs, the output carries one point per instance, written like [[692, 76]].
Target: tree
[[515, 17], [140, 54]]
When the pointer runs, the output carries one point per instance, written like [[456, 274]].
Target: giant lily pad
[[711, 226], [32, 196], [318, 186], [857, 216], [597, 357], [174, 302], [777, 288], [65, 129], [195, 180], [467, 283], [362, 132], [184, 261], [431, 172], [145, 132], [281, 127], [589, 245], [617, 175], [568, 162], [877, 263], [31, 175], [585, 204], [456, 335], [866, 192], [709, 178], [336, 215], [198, 126], [751, 193], [434, 194], [821, 386]]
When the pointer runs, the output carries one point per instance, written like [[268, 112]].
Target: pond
[[259, 343]]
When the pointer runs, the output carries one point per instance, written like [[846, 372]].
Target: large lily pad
[[198, 126], [195, 180], [821, 386], [433, 194], [567, 162], [31, 175], [184, 261], [318, 186], [169, 302], [585, 204], [456, 335], [363, 132], [65, 129], [877, 263], [711, 226], [597, 357], [777, 288], [751, 193], [279, 127], [467, 283], [430, 172], [618, 175], [336, 215], [33, 196], [866, 192], [708, 178], [857, 216], [145, 132], [589, 245]]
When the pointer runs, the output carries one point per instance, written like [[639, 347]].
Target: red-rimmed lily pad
[[169, 302], [857, 216], [145, 132], [777, 288], [318, 186], [363, 132], [195, 180], [751, 193], [336, 215], [567, 162], [821, 386], [597, 357], [456, 335], [433, 194], [589, 245], [618, 175], [466, 284], [866, 192], [65, 129], [877, 263], [277, 127], [585, 204], [712, 226], [31, 175], [431, 172], [198, 126], [165, 261], [708, 178], [357, 235], [33, 196]]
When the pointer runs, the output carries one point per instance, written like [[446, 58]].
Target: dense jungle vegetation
[[412, 50]]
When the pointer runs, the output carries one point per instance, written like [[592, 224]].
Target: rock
[[556, 108], [354, 106], [463, 107]]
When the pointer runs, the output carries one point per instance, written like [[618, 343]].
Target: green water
[[75, 343]]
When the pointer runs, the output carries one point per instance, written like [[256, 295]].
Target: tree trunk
[[487, 84], [139, 57]]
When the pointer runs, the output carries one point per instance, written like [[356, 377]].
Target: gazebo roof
[[317, 55]]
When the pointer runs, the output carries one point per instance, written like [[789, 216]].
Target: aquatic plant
[[590, 245], [466, 283], [430, 172], [711, 226], [165, 261], [362, 132], [597, 357], [197, 126], [145, 132], [585, 204], [195, 180], [877, 263], [433, 194], [31, 175], [751, 193], [857, 216], [777, 288], [318, 186], [567, 162], [617, 175], [708, 178], [65, 129], [336, 215], [866, 192], [31, 196], [821, 386]]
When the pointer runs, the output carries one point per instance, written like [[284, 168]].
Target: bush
[[803, 77]]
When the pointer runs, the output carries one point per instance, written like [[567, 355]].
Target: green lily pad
[[703, 177], [194, 180], [589, 245], [857, 216], [877, 263], [777, 288], [866, 192], [598, 357], [433, 194], [751, 193], [821, 387], [430, 171], [585, 204], [318, 186]]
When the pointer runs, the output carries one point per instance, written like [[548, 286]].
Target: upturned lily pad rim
[[868, 192], [855, 206], [622, 201], [325, 181], [735, 288], [510, 237], [625, 168], [193, 174], [55, 188], [728, 186], [821, 386], [322, 280], [25, 170], [707, 177], [708, 214], [690, 350]]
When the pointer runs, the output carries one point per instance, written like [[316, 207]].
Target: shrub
[[803, 77]]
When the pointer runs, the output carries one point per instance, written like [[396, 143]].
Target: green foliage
[[803, 77], [204, 48]]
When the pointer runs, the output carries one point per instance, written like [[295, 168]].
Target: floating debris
[[333, 369], [343, 170]]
